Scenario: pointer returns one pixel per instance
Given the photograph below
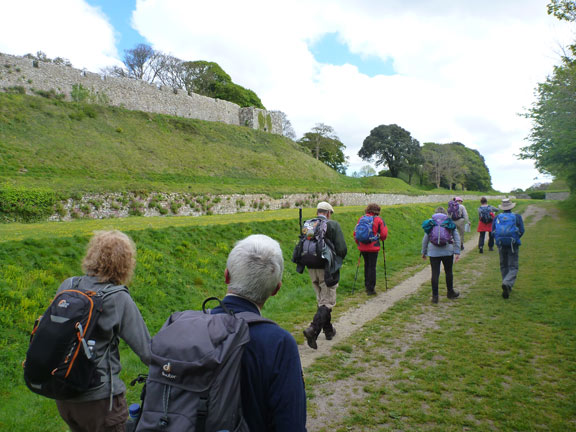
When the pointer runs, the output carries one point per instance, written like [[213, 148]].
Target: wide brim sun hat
[[506, 204]]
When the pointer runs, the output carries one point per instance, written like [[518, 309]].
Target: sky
[[445, 70]]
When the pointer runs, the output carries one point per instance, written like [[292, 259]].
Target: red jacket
[[379, 227], [485, 226]]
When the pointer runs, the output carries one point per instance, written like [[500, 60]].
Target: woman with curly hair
[[108, 266]]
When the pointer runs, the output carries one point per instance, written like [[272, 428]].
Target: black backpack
[[193, 382], [58, 362], [485, 214], [310, 247]]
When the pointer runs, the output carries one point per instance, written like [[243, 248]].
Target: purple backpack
[[454, 210], [440, 235]]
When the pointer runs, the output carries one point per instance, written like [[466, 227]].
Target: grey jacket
[[120, 318], [430, 249]]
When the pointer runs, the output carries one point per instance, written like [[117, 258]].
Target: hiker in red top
[[486, 214], [369, 244]]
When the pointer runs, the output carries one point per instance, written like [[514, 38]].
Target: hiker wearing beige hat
[[324, 273], [507, 229]]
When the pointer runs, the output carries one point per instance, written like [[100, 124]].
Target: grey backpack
[[194, 377]]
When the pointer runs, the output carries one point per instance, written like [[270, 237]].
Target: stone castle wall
[[132, 94], [118, 205]]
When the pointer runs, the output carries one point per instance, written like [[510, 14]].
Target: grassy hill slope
[[72, 147]]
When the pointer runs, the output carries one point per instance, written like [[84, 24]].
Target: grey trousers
[[508, 264]]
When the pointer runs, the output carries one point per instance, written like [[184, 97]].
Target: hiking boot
[[462, 246], [481, 249], [505, 291], [330, 334], [370, 292], [311, 336], [491, 249], [434, 299], [452, 294]]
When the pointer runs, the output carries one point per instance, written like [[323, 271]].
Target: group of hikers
[[230, 348], [444, 240]]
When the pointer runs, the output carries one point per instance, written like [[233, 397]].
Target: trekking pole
[[384, 259], [357, 267], [300, 211]]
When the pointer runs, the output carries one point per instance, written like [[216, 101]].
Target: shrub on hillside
[[19, 204]]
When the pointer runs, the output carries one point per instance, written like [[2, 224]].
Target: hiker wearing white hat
[[325, 274], [507, 228]]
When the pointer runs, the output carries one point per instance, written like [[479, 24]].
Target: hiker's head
[[458, 200], [373, 208], [441, 210], [111, 257], [324, 208], [483, 200], [507, 204], [254, 268]]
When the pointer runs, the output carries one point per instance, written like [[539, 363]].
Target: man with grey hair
[[273, 395]]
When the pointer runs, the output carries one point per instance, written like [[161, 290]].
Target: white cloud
[[466, 69], [67, 28]]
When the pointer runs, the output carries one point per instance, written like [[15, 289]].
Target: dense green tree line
[[553, 114], [443, 165]]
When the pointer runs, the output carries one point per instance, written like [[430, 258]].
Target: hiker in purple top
[[441, 242]]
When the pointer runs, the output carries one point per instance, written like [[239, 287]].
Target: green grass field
[[465, 372], [177, 267]]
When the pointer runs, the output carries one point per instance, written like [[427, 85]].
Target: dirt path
[[337, 397]]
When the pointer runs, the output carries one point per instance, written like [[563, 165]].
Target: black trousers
[[483, 236], [447, 262], [370, 261]]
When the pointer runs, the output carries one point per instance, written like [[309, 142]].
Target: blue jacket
[[273, 395]]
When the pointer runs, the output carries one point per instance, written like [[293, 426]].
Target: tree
[[325, 146], [553, 134], [390, 145], [442, 164], [287, 129], [476, 175], [143, 62], [562, 9], [366, 171]]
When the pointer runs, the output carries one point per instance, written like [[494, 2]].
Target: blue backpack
[[365, 231], [506, 233]]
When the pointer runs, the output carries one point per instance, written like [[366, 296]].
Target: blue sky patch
[[119, 14], [330, 50]]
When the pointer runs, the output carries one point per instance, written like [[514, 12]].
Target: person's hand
[[456, 258], [424, 257]]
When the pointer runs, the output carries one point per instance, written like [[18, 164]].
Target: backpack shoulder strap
[[253, 318]]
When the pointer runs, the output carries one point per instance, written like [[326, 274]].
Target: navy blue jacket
[[273, 395]]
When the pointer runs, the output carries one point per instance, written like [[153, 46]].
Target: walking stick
[[357, 267], [384, 259], [300, 211]]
